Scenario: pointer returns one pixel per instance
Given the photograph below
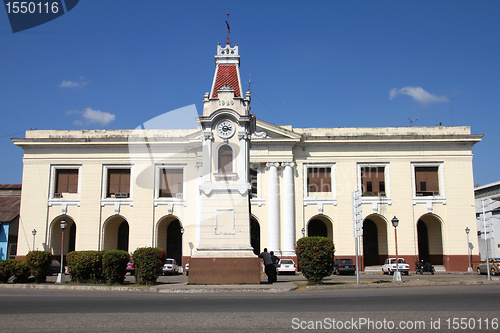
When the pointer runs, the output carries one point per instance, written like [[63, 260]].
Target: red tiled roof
[[226, 74], [10, 186], [9, 207]]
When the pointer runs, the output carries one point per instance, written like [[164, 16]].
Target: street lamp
[[467, 230], [303, 230], [397, 275], [60, 277], [34, 234]]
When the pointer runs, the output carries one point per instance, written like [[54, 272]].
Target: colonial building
[[194, 191]]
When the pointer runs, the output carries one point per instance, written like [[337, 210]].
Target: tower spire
[[228, 29]]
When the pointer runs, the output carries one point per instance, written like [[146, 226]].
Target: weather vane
[[228, 29]]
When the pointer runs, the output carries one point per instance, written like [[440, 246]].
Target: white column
[[273, 213], [207, 156], [288, 209], [244, 154], [199, 181]]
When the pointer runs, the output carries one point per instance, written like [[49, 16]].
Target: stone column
[[273, 215], [288, 209]]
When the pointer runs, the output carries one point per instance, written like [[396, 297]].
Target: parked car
[[344, 265], [170, 267], [130, 267], [286, 266], [494, 267], [389, 266]]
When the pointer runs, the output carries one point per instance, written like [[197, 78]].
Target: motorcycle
[[421, 268]]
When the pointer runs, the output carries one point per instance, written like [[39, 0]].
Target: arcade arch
[[169, 237], [56, 235], [116, 233], [375, 249], [320, 225], [430, 239]]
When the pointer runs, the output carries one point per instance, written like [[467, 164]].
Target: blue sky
[[116, 64]]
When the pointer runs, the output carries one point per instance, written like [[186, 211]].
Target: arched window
[[225, 159]]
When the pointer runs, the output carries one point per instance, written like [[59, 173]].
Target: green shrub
[[20, 269], [85, 266], [148, 262], [39, 263], [315, 256], [114, 266], [5, 272]]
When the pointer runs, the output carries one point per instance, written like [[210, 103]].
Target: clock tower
[[223, 254]]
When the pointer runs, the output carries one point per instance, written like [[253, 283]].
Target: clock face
[[225, 129]]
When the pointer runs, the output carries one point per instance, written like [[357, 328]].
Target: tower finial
[[228, 29]]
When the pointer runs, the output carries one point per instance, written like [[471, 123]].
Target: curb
[[177, 288], [403, 284], [226, 288], [66, 287]]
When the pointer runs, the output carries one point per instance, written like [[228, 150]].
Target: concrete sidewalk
[[286, 283]]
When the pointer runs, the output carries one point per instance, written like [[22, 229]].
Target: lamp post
[[303, 230], [60, 277], [397, 274], [469, 269], [34, 234]]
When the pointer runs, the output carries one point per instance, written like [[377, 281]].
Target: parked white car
[[286, 266], [170, 267], [389, 266]]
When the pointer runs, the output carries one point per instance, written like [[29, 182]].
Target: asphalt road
[[423, 309]]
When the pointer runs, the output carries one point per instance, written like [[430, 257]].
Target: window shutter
[[171, 182], [113, 182], [67, 181], [125, 181], [73, 181], [319, 179], [118, 181], [373, 180], [164, 188], [426, 180], [62, 182]]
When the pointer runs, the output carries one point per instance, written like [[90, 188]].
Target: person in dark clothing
[[268, 265], [275, 261]]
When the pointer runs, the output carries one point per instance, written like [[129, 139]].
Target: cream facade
[[124, 189]]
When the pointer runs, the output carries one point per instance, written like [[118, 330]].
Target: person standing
[[268, 265], [275, 261]]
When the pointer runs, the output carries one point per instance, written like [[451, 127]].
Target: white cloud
[[418, 94], [90, 116], [73, 84]]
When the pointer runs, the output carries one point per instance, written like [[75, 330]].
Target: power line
[[10, 135]]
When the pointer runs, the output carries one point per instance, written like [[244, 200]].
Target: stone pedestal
[[216, 270]]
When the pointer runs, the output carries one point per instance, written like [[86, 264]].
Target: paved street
[[30, 310]]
